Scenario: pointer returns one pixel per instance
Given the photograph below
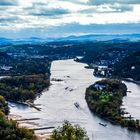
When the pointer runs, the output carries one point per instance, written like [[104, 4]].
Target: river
[[57, 104]]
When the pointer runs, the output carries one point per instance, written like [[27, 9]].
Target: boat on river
[[71, 90], [103, 124], [76, 105], [56, 80], [66, 88]]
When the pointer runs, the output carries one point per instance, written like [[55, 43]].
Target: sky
[[57, 18]]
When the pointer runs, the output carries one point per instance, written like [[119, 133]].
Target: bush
[[69, 132]]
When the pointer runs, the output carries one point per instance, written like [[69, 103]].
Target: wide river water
[[57, 104]]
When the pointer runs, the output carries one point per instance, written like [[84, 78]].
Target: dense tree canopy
[[69, 132], [105, 99], [22, 88], [9, 129], [129, 67]]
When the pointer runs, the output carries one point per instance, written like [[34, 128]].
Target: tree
[[69, 132]]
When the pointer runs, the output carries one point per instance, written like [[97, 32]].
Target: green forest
[[25, 79], [129, 67], [22, 88], [9, 129], [105, 99]]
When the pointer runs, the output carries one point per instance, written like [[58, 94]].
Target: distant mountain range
[[104, 37], [89, 37]]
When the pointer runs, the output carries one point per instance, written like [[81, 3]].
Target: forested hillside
[[129, 67]]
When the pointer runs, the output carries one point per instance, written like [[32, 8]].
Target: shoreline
[[131, 80], [123, 79], [20, 124]]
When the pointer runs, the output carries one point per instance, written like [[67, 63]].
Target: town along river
[[58, 104]]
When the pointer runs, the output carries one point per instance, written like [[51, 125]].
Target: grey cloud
[[75, 1], [8, 2], [9, 21], [38, 9], [101, 2], [3, 20], [115, 5], [113, 9], [121, 8], [50, 12]]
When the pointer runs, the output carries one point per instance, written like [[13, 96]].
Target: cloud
[[102, 2], [121, 8], [8, 2], [116, 8], [115, 5], [5, 20], [48, 12]]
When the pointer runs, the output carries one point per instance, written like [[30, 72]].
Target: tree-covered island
[[105, 99]]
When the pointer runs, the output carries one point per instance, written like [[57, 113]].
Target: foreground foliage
[[9, 129], [69, 132], [105, 99]]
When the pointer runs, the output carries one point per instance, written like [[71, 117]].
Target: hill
[[129, 67]]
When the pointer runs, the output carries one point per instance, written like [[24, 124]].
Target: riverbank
[[131, 80], [105, 72], [21, 122], [27, 78]]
